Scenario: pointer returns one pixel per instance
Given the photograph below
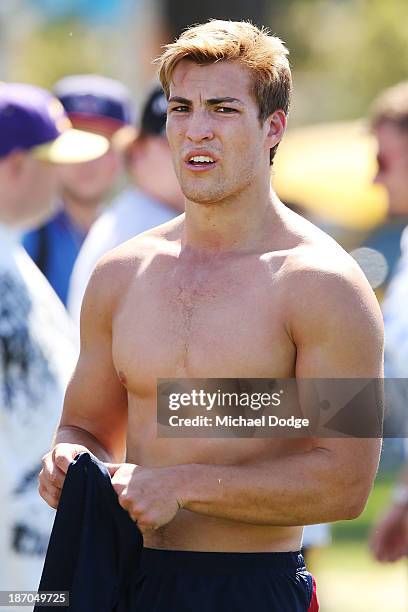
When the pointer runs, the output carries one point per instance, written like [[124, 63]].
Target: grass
[[348, 578]]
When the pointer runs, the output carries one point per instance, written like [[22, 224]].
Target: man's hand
[[150, 495], [389, 541], [54, 468]]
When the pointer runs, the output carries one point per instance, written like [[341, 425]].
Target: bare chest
[[204, 322]]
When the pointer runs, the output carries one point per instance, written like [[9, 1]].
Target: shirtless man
[[239, 286]]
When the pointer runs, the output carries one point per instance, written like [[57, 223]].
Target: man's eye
[[179, 109], [225, 109]]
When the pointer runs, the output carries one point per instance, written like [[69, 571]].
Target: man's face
[[29, 188], [393, 166], [152, 168], [213, 114], [90, 181]]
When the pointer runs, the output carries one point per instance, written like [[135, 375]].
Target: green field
[[348, 578]]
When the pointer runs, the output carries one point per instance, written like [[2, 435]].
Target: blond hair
[[263, 54], [392, 105]]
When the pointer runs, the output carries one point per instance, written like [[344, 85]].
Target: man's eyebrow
[[215, 101], [209, 102], [180, 100]]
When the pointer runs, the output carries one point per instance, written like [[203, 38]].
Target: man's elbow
[[354, 482], [356, 507], [348, 492], [354, 502]]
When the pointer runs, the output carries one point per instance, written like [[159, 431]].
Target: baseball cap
[[154, 113], [33, 119], [95, 103], [152, 121]]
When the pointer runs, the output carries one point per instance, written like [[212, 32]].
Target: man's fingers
[[50, 495], [64, 454], [119, 488], [50, 474], [54, 476], [112, 467], [62, 462], [54, 468]]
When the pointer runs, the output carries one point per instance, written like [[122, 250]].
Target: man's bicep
[[95, 400], [97, 403], [340, 334], [342, 338], [339, 356]]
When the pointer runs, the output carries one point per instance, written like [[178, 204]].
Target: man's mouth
[[201, 162]]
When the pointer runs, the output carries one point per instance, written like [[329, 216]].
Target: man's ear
[[276, 125]]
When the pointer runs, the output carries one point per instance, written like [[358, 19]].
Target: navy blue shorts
[[180, 581]]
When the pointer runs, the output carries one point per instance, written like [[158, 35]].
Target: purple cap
[[93, 95], [31, 118]]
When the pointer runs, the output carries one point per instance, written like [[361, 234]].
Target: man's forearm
[[76, 435], [305, 488]]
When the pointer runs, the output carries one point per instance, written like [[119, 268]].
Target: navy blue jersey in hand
[[95, 547]]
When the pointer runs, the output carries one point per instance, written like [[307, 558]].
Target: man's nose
[[199, 127]]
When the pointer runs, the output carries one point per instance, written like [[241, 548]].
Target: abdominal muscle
[[192, 531]]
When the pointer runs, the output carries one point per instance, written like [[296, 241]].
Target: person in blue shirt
[[95, 104], [37, 342]]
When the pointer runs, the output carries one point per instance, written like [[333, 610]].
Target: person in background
[[389, 540], [37, 349], [95, 104], [155, 198], [389, 114]]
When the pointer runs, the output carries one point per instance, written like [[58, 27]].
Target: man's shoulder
[[314, 257], [320, 261], [331, 312], [127, 257], [325, 289], [317, 275], [116, 270], [322, 269]]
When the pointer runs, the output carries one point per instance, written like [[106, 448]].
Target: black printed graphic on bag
[[23, 365], [26, 381], [25, 538]]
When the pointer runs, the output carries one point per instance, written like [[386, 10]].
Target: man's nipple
[[122, 378]]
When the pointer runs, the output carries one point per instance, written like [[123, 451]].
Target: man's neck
[[83, 214], [231, 225]]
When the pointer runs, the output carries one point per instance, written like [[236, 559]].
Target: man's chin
[[203, 198], [86, 198]]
